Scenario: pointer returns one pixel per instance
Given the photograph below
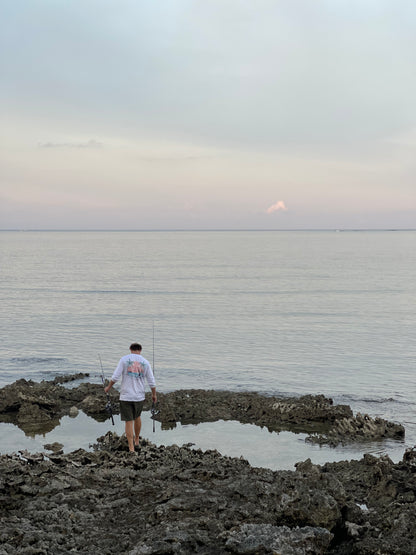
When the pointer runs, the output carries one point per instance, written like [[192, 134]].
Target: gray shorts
[[130, 410]]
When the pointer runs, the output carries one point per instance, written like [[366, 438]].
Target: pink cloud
[[279, 205]]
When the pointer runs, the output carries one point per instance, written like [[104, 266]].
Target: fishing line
[[153, 359]]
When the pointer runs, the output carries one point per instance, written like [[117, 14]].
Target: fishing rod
[[108, 406], [153, 411]]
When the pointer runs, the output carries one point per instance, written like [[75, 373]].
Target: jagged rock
[[55, 447], [359, 427], [73, 412], [70, 378], [29, 404], [91, 405], [250, 538], [178, 500]]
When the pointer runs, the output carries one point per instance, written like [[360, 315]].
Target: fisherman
[[133, 370]]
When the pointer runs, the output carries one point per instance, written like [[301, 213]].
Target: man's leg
[[137, 428], [129, 434]]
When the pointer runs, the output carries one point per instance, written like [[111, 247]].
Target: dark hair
[[135, 347]]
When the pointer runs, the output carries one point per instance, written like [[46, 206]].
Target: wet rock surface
[[37, 407], [178, 500]]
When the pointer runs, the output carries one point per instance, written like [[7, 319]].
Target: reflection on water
[[277, 451]]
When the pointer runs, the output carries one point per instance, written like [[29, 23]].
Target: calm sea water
[[284, 313]]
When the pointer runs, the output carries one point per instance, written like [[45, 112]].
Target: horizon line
[[102, 230]]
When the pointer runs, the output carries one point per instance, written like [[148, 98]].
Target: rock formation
[[37, 407], [182, 501]]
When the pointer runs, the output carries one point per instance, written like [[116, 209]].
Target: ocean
[[279, 312]]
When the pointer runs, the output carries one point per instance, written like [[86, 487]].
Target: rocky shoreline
[[37, 407], [181, 500]]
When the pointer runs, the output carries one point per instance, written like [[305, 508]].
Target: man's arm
[[116, 376], [151, 381], [109, 386]]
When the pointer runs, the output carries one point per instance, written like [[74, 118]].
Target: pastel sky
[[216, 114]]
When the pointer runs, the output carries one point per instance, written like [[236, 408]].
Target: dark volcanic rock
[[386, 495], [176, 500], [197, 405], [55, 446], [314, 414], [70, 378], [251, 538], [39, 406]]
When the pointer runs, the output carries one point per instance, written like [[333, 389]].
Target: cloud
[[276, 207], [88, 144]]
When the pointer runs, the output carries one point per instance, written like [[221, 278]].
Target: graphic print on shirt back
[[135, 368]]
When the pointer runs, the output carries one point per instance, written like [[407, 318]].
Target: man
[[133, 370]]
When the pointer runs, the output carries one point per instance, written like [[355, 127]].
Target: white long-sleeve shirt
[[134, 370]]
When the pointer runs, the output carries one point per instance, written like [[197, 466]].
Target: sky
[[218, 114]]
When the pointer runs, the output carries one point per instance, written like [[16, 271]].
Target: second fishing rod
[[153, 410]]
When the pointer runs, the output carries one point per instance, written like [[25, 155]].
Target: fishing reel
[[109, 407], [154, 411]]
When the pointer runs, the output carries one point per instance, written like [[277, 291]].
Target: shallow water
[[277, 451]]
